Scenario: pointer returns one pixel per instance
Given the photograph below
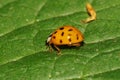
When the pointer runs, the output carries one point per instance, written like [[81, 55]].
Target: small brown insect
[[91, 13]]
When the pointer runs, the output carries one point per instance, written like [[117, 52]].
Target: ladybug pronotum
[[66, 35]]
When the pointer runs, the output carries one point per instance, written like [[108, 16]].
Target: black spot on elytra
[[61, 28], [54, 37], [60, 41], [50, 35], [69, 39], [62, 34], [77, 36], [55, 32], [70, 30], [69, 34]]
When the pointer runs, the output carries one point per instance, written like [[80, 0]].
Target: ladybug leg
[[50, 48], [76, 44], [58, 49]]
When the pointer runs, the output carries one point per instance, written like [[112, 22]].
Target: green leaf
[[25, 26]]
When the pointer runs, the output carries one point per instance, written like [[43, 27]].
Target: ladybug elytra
[[66, 35]]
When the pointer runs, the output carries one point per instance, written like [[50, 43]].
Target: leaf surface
[[25, 26]]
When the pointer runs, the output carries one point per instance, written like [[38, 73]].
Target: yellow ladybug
[[64, 36]]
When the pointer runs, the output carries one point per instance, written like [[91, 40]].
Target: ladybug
[[64, 36]]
